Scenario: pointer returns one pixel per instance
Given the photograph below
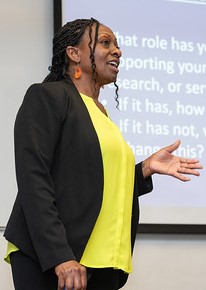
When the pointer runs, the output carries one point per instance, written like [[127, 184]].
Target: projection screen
[[162, 90]]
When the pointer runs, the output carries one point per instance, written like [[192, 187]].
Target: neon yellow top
[[10, 249], [110, 242]]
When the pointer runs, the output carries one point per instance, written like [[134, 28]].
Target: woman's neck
[[87, 88]]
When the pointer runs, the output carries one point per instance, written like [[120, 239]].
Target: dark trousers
[[27, 275]]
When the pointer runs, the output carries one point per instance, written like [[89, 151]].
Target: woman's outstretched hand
[[164, 162]]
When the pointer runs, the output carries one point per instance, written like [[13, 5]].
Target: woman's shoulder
[[56, 90], [53, 96]]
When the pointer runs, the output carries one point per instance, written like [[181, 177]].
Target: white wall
[[160, 262], [169, 262], [26, 30]]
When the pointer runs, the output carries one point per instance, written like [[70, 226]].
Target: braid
[[117, 95], [70, 34], [92, 58]]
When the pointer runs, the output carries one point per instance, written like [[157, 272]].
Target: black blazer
[[59, 173]]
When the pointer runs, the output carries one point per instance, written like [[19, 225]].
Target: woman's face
[[107, 55]]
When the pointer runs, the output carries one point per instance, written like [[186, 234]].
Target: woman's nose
[[116, 51]]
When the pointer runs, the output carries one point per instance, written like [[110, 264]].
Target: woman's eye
[[105, 42]]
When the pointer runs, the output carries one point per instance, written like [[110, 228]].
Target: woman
[[75, 217]]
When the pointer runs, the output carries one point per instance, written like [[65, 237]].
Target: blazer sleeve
[[36, 134], [143, 185]]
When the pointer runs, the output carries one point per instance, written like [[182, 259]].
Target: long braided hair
[[70, 35]]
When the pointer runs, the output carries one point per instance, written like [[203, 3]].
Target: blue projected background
[[162, 83]]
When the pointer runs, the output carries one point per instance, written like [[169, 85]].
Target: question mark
[[201, 150]]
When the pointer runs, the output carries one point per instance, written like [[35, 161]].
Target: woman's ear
[[73, 53]]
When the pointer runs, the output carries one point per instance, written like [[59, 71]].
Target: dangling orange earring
[[78, 72]]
